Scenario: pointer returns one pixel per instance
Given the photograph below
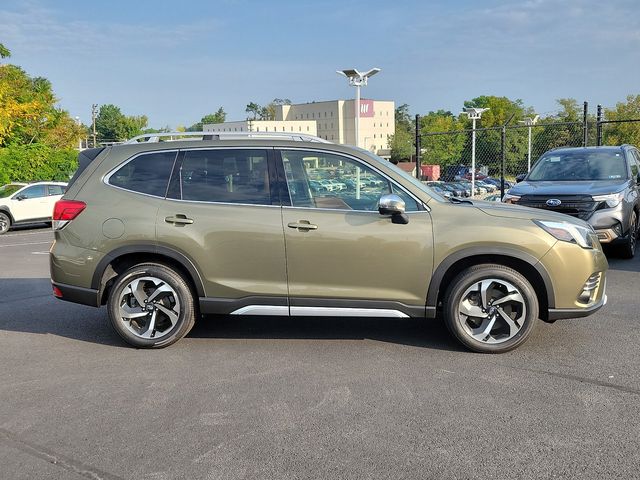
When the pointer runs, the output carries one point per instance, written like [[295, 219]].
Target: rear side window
[[53, 190], [147, 173], [226, 176]]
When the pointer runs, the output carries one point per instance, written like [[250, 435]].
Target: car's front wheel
[[490, 308], [151, 306], [5, 223], [628, 248]]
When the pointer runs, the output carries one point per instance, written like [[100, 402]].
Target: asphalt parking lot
[[265, 398]]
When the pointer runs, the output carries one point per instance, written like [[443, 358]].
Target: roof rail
[[185, 136]]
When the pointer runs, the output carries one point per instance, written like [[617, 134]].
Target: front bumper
[[562, 313]]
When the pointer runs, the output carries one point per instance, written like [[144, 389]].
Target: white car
[[28, 203]]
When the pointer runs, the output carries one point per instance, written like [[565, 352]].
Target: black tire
[[500, 279], [628, 248], [181, 293], [5, 223]]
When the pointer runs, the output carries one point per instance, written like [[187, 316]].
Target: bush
[[36, 162]]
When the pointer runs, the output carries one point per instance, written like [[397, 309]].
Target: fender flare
[[441, 270], [174, 255]]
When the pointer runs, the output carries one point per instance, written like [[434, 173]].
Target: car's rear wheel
[[490, 308], [5, 223], [628, 248], [151, 306]]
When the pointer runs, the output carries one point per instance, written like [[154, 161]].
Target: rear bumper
[[70, 293], [561, 313]]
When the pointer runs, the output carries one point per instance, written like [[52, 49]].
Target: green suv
[[163, 232]]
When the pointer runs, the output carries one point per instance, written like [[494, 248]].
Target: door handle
[[303, 225], [179, 220]]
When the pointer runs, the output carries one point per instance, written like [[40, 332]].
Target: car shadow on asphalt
[[430, 333], [624, 265], [40, 313]]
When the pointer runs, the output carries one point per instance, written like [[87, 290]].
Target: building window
[[332, 125], [307, 128], [299, 129]]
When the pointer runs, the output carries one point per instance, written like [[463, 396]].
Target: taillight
[[66, 210]]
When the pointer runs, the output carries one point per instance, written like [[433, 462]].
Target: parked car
[[22, 203], [600, 185], [159, 250]]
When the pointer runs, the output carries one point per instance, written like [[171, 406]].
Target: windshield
[[429, 191], [581, 165], [8, 190]]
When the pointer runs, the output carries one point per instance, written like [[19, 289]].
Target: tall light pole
[[530, 122], [474, 114], [80, 139], [357, 79]]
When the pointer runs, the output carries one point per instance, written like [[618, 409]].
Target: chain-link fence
[[493, 157]]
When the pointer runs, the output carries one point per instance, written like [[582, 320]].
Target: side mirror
[[520, 177], [393, 205], [21, 197]]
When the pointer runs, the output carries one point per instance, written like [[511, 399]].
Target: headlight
[[612, 200], [569, 232], [508, 198]]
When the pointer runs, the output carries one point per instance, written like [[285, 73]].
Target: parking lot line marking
[[12, 440], [39, 253], [44, 232], [26, 243]]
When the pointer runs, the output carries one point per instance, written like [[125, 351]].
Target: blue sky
[[176, 62]]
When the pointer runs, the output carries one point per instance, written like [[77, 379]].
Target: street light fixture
[[474, 114], [357, 79], [530, 122]]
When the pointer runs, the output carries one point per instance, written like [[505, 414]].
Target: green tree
[[4, 51], [113, 126], [488, 142], [402, 141], [218, 117], [443, 149], [28, 112], [620, 133], [253, 109]]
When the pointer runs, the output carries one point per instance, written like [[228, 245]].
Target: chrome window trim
[[221, 203], [107, 176], [351, 157]]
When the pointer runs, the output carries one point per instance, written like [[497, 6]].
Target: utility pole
[[94, 112]]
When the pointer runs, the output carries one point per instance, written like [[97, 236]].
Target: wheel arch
[[4, 209], [524, 263], [123, 258]]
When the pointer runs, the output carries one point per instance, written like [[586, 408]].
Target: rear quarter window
[[147, 173]]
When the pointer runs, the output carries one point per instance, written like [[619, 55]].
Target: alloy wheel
[[149, 307], [492, 311]]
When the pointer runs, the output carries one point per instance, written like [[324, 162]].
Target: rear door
[[54, 193], [219, 212], [343, 257]]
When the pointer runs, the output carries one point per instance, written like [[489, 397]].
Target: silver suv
[[600, 185]]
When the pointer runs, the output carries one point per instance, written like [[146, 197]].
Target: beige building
[[308, 128], [332, 120]]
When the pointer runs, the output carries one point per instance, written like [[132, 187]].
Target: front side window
[[147, 173], [225, 176], [325, 180], [36, 191]]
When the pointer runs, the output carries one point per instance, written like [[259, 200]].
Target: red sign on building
[[366, 108]]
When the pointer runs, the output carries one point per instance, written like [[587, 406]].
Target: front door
[[219, 213], [30, 204], [343, 257]]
